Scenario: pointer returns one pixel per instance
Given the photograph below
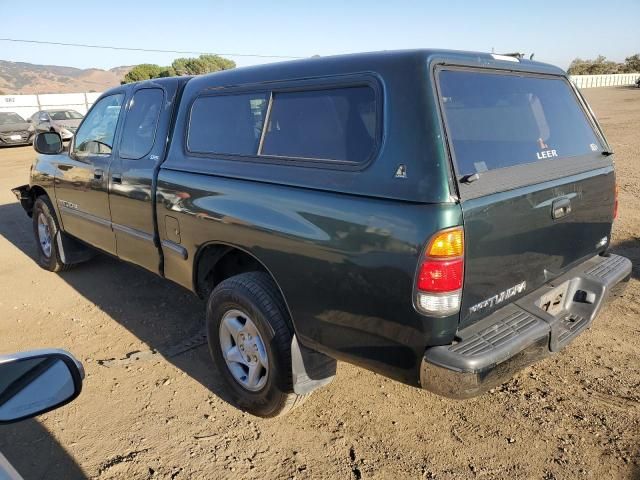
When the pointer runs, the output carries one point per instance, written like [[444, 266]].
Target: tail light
[[440, 273], [615, 203]]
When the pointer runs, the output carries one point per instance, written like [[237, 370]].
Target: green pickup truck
[[442, 218]]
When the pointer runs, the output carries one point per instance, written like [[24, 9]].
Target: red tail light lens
[[615, 203], [440, 275]]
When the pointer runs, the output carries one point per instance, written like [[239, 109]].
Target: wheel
[[45, 228], [250, 341]]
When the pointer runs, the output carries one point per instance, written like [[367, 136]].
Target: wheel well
[[28, 201], [216, 263], [37, 191]]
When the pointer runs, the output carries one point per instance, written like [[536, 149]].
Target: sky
[[556, 31]]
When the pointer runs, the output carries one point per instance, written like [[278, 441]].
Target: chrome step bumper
[[489, 352]]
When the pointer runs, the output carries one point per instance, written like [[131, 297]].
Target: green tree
[[599, 66], [632, 64], [200, 65], [180, 66], [144, 71]]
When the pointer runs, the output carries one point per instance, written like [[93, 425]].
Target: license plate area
[[553, 302], [15, 137]]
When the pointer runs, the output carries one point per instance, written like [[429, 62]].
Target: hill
[[25, 78]]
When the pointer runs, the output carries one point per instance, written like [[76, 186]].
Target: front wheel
[[45, 229], [250, 341]]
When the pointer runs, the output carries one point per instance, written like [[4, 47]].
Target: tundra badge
[[499, 297]]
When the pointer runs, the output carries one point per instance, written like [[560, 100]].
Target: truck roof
[[374, 61]]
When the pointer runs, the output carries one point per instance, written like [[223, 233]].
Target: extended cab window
[[95, 135], [501, 120], [139, 130], [331, 124], [227, 124]]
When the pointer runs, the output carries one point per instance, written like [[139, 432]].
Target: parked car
[[65, 122], [15, 130], [442, 218], [33, 383]]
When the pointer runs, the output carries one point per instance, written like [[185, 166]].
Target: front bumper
[[489, 352], [25, 139], [66, 133]]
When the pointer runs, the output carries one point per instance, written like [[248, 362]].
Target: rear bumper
[[489, 352]]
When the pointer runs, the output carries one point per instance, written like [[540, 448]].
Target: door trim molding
[[133, 232], [175, 248], [62, 205]]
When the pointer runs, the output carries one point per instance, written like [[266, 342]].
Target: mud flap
[[71, 250], [310, 369]]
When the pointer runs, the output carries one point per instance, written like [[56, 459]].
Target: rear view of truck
[[536, 183]]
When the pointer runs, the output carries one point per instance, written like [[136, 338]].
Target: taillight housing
[[438, 284]]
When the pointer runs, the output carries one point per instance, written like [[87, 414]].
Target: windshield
[[65, 115], [501, 120], [7, 118]]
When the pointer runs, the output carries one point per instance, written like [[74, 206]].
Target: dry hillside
[[25, 78]]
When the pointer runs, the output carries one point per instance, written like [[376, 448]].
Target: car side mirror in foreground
[[35, 382], [48, 143]]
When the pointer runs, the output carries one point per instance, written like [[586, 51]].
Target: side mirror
[[33, 383], [48, 143]]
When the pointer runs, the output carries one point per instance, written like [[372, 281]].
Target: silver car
[[63, 121], [15, 130]]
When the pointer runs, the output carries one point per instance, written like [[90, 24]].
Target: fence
[[589, 81], [27, 105]]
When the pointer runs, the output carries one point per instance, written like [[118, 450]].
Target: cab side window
[[141, 122], [95, 135]]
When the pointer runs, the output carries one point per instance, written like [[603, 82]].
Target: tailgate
[[535, 180]]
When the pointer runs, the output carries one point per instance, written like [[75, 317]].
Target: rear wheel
[[250, 341], [45, 229]]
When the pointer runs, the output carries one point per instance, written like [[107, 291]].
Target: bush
[[602, 66]]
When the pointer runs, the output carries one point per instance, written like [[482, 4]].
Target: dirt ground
[[152, 405]]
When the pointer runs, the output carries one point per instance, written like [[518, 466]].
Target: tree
[[144, 71], [180, 66], [200, 65], [632, 64], [599, 66]]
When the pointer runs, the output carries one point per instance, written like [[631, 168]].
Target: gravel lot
[[152, 405]]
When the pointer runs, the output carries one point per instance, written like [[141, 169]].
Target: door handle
[[98, 173], [560, 208], [116, 178]]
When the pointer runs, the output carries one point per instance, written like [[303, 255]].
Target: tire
[[255, 297], [44, 218]]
